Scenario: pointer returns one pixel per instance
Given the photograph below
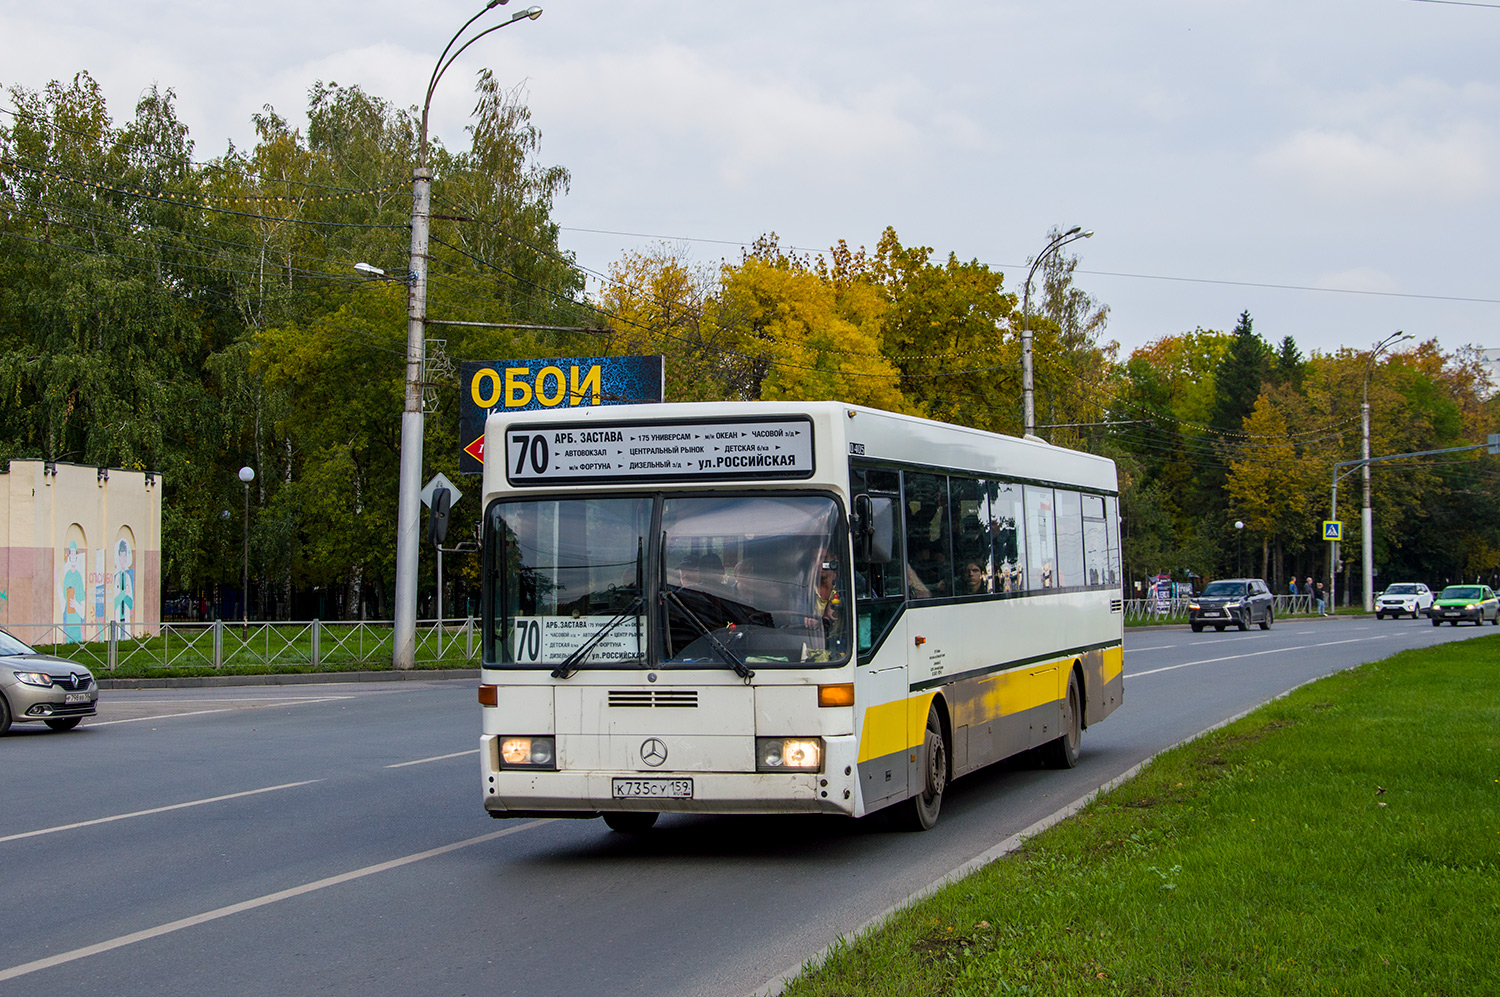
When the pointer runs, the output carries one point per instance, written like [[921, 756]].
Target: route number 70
[[530, 449]]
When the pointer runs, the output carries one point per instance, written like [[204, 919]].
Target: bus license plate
[[664, 789]]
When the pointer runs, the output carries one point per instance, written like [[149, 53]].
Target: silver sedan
[[41, 688]]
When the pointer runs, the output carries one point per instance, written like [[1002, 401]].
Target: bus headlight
[[528, 753], [788, 754]]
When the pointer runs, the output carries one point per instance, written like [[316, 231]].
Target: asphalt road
[[330, 840]]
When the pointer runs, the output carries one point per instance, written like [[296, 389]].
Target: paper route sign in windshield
[[580, 453]]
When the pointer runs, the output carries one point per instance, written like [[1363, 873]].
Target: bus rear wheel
[[630, 821], [920, 812], [1063, 751]]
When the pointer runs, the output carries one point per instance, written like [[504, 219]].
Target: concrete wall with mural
[[80, 547]]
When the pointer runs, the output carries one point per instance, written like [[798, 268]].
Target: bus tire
[[1062, 752], [630, 821], [920, 812]]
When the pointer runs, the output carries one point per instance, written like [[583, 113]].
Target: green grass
[[1341, 840]]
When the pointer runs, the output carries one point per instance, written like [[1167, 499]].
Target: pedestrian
[[1307, 584], [1292, 587], [1322, 601]]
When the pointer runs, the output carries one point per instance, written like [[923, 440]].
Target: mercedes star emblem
[[653, 752]]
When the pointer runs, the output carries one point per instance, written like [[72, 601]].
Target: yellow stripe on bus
[[888, 726], [1114, 662]]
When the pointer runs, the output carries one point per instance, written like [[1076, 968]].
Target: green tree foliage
[[190, 317], [1239, 378]]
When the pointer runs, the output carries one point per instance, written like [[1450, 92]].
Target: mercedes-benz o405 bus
[[802, 607]]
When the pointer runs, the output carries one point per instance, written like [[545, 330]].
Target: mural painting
[[70, 588], [122, 607]]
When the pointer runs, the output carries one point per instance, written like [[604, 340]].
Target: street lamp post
[[1367, 517], [409, 504], [1028, 405], [247, 475], [1239, 560]]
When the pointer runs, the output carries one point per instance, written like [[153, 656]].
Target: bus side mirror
[[437, 522], [875, 526]]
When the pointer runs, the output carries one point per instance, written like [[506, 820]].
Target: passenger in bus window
[[710, 572], [974, 580], [932, 572]]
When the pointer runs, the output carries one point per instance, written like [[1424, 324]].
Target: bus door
[[880, 677]]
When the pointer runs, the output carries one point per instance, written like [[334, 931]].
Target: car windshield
[[1401, 590], [1461, 592], [733, 581], [1222, 589], [10, 646]]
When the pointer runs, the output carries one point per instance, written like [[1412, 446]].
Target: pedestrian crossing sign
[[1333, 529]]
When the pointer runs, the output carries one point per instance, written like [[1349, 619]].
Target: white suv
[[1412, 598]]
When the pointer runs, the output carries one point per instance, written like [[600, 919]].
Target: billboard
[[550, 383]]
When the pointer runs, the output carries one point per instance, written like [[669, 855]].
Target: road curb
[[291, 678]]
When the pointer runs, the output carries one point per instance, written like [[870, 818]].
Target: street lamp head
[[373, 271], [1089, 234], [1239, 524], [1074, 230], [531, 12], [247, 474]]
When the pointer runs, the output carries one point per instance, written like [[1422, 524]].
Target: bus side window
[[972, 573], [928, 536], [1009, 532], [879, 588], [1069, 539]]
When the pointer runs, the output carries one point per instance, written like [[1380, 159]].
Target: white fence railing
[[1146, 609], [313, 644]]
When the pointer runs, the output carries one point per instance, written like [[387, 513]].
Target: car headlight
[[528, 753], [782, 754], [35, 678], [1194, 606], [1233, 605], [1472, 605]]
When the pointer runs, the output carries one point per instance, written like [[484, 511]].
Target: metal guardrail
[[311, 644], [1177, 608], [332, 644]]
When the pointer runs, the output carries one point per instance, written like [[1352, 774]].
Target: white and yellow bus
[[793, 607]]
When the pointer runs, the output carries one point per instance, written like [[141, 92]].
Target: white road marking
[[434, 758], [156, 810], [253, 704], [1251, 654], [162, 716], [73, 955], [1158, 647]]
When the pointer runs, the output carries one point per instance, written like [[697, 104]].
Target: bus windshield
[[737, 581]]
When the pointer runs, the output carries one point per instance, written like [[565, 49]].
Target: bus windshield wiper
[[740, 668], [569, 665]]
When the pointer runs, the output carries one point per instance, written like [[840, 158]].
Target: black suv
[[1240, 601]]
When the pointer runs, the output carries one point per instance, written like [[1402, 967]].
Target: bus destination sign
[[659, 451]]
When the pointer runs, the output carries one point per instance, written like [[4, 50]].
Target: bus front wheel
[[920, 812]]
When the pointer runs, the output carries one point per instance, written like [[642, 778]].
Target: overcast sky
[[1333, 166]]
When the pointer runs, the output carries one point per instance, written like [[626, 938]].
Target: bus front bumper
[[528, 793]]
